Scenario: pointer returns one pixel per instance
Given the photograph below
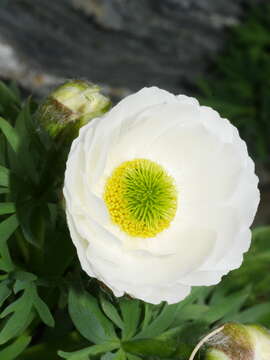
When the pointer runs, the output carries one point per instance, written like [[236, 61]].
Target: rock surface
[[126, 44]]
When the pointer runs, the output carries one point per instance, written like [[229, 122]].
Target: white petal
[[112, 127], [171, 294], [81, 246], [137, 138], [137, 267], [187, 100], [219, 127], [202, 278]]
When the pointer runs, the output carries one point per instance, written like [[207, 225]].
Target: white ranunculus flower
[[160, 194]]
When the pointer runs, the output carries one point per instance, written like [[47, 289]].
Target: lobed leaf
[[133, 357], [16, 348], [229, 306], [88, 317], [168, 316], [4, 176], [254, 314], [7, 228], [147, 315], [7, 208], [84, 354], [10, 134], [131, 311], [4, 292], [20, 313], [111, 311], [43, 310], [150, 347], [120, 355]]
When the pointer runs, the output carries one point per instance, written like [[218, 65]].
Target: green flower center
[[141, 198]]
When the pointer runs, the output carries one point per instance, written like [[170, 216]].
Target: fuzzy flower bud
[[239, 342], [70, 106]]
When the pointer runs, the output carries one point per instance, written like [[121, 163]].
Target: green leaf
[[24, 276], [111, 311], [131, 311], [88, 317], [224, 309], [107, 356], [7, 228], [190, 333], [4, 292], [147, 315], [6, 94], [160, 323], [7, 208], [133, 357], [25, 281], [9, 103], [170, 315], [24, 162], [32, 216], [19, 286], [20, 314], [85, 353], [192, 312], [254, 314], [10, 134], [171, 333], [62, 248], [150, 347], [4, 190], [120, 355], [15, 91], [43, 310], [2, 150], [16, 348], [6, 264], [4, 176]]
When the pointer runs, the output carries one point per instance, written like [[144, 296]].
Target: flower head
[[71, 106], [141, 198], [160, 194], [240, 342]]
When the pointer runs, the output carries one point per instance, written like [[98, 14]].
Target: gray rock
[[126, 44]]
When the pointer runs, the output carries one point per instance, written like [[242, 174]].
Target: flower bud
[[239, 342], [70, 106]]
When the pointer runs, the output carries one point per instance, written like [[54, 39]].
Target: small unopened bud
[[70, 106], [239, 342]]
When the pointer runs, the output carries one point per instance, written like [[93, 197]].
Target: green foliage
[[46, 301], [239, 85], [32, 226], [130, 311], [12, 351], [88, 318], [20, 311]]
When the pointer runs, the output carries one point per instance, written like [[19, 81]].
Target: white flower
[[160, 194]]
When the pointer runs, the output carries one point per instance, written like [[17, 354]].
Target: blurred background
[[217, 50]]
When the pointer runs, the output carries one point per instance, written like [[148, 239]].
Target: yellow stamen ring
[[141, 198]]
